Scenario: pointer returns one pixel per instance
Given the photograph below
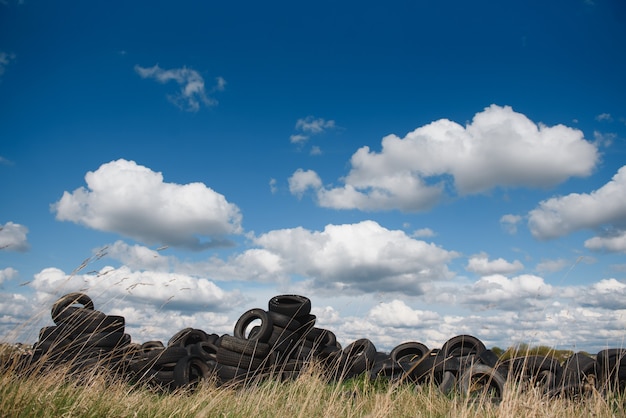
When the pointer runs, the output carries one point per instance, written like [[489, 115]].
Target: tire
[[190, 371], [433, 366], [265, 330], [612, 369], [91, 323], [482, 381], [539, 371], [290, 305], [360, 356], [103, 340], [205, 350], [462, 345], [242, 361], [408, 351], [68, 300], [284, 321], [232, 374], [579, 369], [187, 336], [249, 347]]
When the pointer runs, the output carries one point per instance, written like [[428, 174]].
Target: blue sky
[[418, 169]]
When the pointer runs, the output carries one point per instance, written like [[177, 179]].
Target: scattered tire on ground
[[281, 342]]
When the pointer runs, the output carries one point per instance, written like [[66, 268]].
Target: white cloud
[[298, 138], [192, 91], [604, 117], [134, 201], [314, 126], [5, 60], [480, 264], [6, 274], [613, 243], [494, 150], [273, 187], [358, 258], [509, 223], [398, 314], [499, 292], [423, 233], [13, 237], [560, 216], [548, 266], [137, 257], [123, 287], [302, 180]]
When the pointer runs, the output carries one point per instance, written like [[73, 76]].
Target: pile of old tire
[[281, 341], [81, 338], [187, 359]]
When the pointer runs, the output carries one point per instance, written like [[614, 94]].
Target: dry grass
[[58, 393]]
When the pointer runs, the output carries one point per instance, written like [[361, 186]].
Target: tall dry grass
[[58, 392]]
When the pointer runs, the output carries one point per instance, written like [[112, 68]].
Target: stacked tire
[[82, 337]]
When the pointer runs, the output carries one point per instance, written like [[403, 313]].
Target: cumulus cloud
[[358, 258], [509, 223], [192, 91], [313, 125], [398, 314], [494, 150], [607, 294], [499, 292], [548, 266], [137, 257], [306, 127], [13, 237], [134, 201], [302, 180], [615, 242], [7, 274], [563, 215], [122, 286], [480, 264], [423, 233]]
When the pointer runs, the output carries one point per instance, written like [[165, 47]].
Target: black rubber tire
[[611, 366], [462, 345], [492, 383], [152, 345], [232, 374], [290, 305], [166, 355], [249, 347], [578, 369], [103, 340], [433, 365], [284, 321], [282, 339], [205, 350], [250, 316], [66, 301], [242, 361], [408, 351], [187, 336], [93, 324], [540, 371], [190, 371], [360, 356]]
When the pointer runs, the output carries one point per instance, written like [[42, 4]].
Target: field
[[59, 392]]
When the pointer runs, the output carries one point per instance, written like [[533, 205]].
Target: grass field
[[60, 393]]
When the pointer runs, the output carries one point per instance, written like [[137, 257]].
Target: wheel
[[480, 381], [266, 326], [290, 305]]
